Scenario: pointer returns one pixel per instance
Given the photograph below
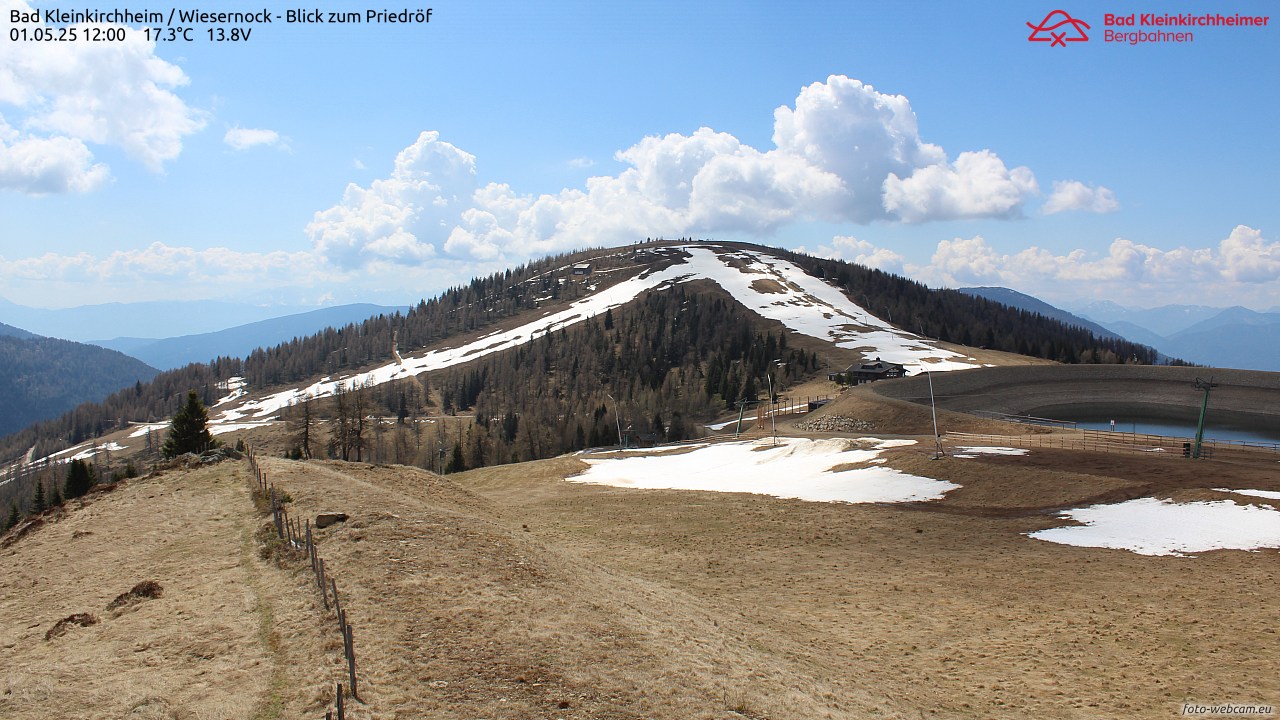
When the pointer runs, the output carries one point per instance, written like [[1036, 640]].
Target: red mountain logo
[[1048, 29]]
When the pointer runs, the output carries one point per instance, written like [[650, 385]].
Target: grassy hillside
[[508, 593]]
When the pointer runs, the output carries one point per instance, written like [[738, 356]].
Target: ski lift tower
[[1206, 386]]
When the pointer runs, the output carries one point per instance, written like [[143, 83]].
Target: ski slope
[[772, 287]]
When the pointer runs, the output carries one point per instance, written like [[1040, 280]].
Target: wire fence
[[300, 541], [1116, 442]]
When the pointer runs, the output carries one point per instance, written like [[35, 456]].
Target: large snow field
[[803, 303], [810, 306], [795, 468], [1149, 526]]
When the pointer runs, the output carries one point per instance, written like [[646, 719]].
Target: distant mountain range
[[43, 377], [239, 341], [1022, 301], [1163, 321], [145, 319], [11, 331], [1233, 337]]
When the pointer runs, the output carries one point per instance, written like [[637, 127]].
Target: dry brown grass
[[890, 415], [224, 640], [942, 609], [507, 592]]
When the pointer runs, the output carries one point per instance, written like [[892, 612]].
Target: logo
[[1048, 29]]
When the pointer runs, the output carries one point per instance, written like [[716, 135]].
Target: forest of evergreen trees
[[952, 316], [668, 359], [653, 372]]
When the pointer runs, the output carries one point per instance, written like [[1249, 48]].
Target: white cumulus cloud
[[862, 252], [843, 152], [1243, 268], [1075, 195], [401, 218], [38, 166], [977, 185], [72, 94], [244, 138], [862, 136]]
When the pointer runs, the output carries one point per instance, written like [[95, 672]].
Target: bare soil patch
[[767, 286]]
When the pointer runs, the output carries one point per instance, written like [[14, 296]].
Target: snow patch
[[94, 450], [144, 429], [795, 468], [1268, 494], [232, 427], [235, 386], [984, 450], [883, 444], [1148, 526], [810, 306]]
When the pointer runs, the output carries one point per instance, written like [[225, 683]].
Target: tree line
[[952, 316]]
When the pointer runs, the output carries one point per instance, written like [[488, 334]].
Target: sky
[[318, 164]]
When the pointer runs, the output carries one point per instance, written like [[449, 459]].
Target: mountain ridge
[[795, 296], [174, 352], [46, 377], [1030, 303], [85, 323]]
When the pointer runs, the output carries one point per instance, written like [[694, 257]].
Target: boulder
[[325, 519]]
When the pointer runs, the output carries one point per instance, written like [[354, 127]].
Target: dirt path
[[227, 639]]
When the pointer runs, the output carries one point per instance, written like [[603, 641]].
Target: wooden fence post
[[324, 594], [341, 715], [351, 661], [310, 548], [337, 606]]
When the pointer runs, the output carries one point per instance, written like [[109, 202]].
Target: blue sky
[[318, 164]]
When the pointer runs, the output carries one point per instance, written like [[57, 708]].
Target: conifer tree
[[456, 462], [14, 516], [56, 499], [39, 503], [189, 430], [79, 479]]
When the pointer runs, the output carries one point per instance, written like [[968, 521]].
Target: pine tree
[[79, 479], [56, 499], [39, 503], [456, 462], [14, 516], [189, 430]]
